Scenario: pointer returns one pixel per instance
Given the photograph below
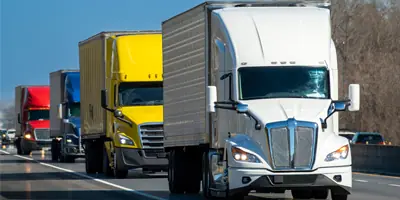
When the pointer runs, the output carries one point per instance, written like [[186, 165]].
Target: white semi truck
[[251, 101]]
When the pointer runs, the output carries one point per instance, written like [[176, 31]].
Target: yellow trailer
[[122, 102]]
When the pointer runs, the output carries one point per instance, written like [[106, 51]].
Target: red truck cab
[[33, 119]]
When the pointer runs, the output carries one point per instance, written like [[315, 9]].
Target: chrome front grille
[[152, 137], [280, 147], [42, 134], [292, 145]]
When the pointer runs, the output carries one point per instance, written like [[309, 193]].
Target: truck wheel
[[193, 170], [302, 194], [107, 170], [90, 163], [205, 182], [119, 173], [18, 145], [320, 193], [54, 150], [69, 159], [338, 196], [176, 175], [24, 151]]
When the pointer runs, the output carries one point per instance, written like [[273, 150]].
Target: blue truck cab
[[66, 145]]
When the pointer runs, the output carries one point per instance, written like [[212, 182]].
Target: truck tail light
[[28, 135], [381, 143]]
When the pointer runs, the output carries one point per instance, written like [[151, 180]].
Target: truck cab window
[[75, 109], [140, 93], [39, 115], [283, 82]]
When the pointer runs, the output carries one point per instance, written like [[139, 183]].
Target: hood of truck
[[75, 121], [143, 114], [39, 124], [272, 110]]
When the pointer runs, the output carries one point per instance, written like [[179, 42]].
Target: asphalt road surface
[[37, 177]]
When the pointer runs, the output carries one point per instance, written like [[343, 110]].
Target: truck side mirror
[[104, 102], [354, 97], [211, 98], [19, 118], [242, 108], [118, 114], [59, 111]]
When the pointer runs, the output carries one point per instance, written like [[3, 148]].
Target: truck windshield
[[39, 114], [283, 82], [140, 93], [75, 109]]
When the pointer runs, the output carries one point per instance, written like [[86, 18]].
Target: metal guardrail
[[379, 159]]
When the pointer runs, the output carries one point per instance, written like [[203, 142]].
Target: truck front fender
[[245, 143]]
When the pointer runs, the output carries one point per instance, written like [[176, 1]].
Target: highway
[[37, 177]]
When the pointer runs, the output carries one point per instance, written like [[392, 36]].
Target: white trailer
[[250, 101]]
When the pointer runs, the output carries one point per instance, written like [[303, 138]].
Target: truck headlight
[[341, 153], [240, 155], [125, 140]]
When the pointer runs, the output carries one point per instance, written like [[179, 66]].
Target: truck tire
[[176, 173], [320, 193], [69, 159], [205, 182], [90, 162], [107, 170], [18, 145], [54, 150], [338, 196], [119, 173], [24, 151], [193, 170]]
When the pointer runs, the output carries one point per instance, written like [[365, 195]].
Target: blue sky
[[41, 36]]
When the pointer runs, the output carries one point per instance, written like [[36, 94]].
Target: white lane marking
[[5, 152], [362, 181], [23, 157], [95, 179], [394, 185]]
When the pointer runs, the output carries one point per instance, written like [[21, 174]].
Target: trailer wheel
[[176, 173]]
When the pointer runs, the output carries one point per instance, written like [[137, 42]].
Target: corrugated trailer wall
[[184, 68], [56, 92], [91, 64]]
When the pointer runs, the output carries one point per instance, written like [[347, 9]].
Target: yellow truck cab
[[122, 102]]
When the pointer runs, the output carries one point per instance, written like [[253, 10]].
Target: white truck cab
[[259, 101]]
